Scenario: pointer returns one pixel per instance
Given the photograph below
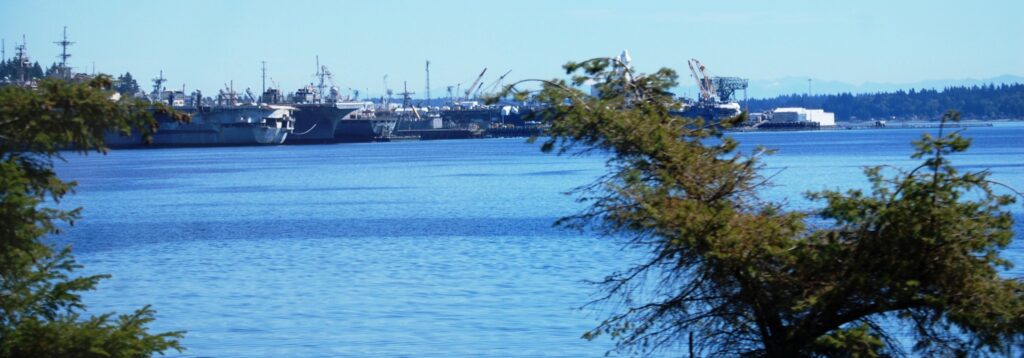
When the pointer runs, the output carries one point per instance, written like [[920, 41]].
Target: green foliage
[[745, 276], [126, 84], [976, 102], [40, 303]]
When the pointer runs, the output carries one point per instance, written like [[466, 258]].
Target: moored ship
[[364, 125], [471, 112], [316, 121], [217, 126], [709, 111], [227, 122], [330, 118]]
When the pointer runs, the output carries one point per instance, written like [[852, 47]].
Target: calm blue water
[[427, 249]]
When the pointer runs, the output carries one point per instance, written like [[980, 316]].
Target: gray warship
[[227, 121], [364, 125], [315, 121], [323, 116], [472, 112]]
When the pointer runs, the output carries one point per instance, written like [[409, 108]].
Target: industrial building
[[797, 114]]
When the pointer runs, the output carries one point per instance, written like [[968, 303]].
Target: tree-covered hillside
[[1004, 101]]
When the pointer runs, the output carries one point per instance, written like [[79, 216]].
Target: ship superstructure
[[228, 120], [323, 115]]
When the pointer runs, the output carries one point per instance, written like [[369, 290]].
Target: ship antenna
[[264, 69], [406, 95], [22, 59], [428, 83], [157, 84], [65, 72], [320, 75]]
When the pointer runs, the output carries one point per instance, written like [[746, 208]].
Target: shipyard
[[495, 179], [324, 111]]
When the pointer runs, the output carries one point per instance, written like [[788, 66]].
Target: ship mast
[[65, 72], [428, 83], [264, 71], [158, 83], [406, 95], [320, 75], [22, 59]]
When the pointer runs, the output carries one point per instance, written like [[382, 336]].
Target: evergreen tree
[[53, 70], [126, 84], [5, 72], [729, 273], [36, 71], [41, 311]]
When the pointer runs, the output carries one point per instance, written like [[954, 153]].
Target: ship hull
[[316, 123], [364, 129], [209, 127], [482, 115], [708, 112]]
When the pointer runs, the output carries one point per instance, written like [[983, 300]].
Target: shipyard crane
[[476, 92], [471, 87], [696, 77], [708, 84], [494, 85], [704, 83]]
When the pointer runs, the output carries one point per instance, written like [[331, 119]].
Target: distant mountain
[[798, 85]]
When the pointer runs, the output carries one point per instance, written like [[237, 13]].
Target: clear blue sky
[[208, 43]]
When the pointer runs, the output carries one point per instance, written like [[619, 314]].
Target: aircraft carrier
[[323, 116]]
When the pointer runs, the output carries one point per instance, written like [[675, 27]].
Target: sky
[[207, 44]]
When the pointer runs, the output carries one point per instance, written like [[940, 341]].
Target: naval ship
[[340, 119], [323, 116], [226, 122], [466, 112], [315, 121], [364, 125]]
